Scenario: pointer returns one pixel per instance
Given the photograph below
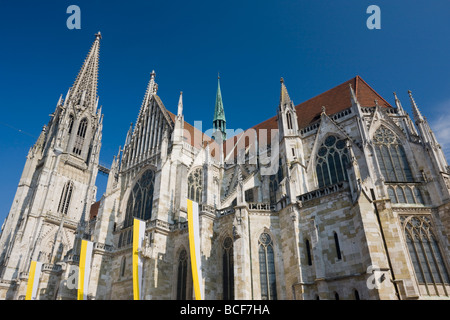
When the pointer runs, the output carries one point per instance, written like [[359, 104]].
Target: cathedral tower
[[57, 187]]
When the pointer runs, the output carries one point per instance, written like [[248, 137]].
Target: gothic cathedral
[[343, 196]]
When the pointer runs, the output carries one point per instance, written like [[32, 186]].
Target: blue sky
[[313, 45]]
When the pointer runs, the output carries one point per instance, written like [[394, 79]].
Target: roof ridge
[[323, 93], [374, 91]]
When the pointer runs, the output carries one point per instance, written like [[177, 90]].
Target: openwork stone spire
[[84, 90]]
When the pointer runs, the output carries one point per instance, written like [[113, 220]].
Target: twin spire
[[84, 89]]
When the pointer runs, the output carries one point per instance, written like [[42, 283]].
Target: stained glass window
[[401, 193], [140, 201], [391, 156], [267, 268], [332, 159], [424, 251]]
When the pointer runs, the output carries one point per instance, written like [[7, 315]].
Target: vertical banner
[[138, 237], [194, 247], [84, 269], [33, 280]]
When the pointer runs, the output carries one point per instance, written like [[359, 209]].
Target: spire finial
[[285, 99], [398, 104], [416, 112], [98, 35], [180, 104]]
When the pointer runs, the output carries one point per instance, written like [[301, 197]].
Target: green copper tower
[[219, 122]]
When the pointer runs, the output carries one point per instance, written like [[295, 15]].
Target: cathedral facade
[[343, 196]]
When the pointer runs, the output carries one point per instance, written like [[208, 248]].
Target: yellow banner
[[33, 280], [194, 247], [138, 237], [84, 269]]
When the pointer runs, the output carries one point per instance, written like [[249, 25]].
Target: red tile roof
[[334, 100], [338, 99]]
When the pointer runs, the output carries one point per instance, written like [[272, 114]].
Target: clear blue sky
[[314, 45]]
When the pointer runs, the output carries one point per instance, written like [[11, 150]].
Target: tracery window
[[424, 251], [81, 134], [391, 156], [140, 201], [332, 159], [405, 194], [182, 275], [195, 185], [228, 269], [267, 268], [66, 196]]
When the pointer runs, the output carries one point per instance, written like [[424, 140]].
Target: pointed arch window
[[140, 201], [410, 194], [267, 268], [228, 269], [332, 159], [66, 196], [424, 251], [391, 156], [289, 120], [81, 134], [195, 185], [182, 275]]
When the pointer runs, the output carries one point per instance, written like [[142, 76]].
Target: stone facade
[[346, 201]]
